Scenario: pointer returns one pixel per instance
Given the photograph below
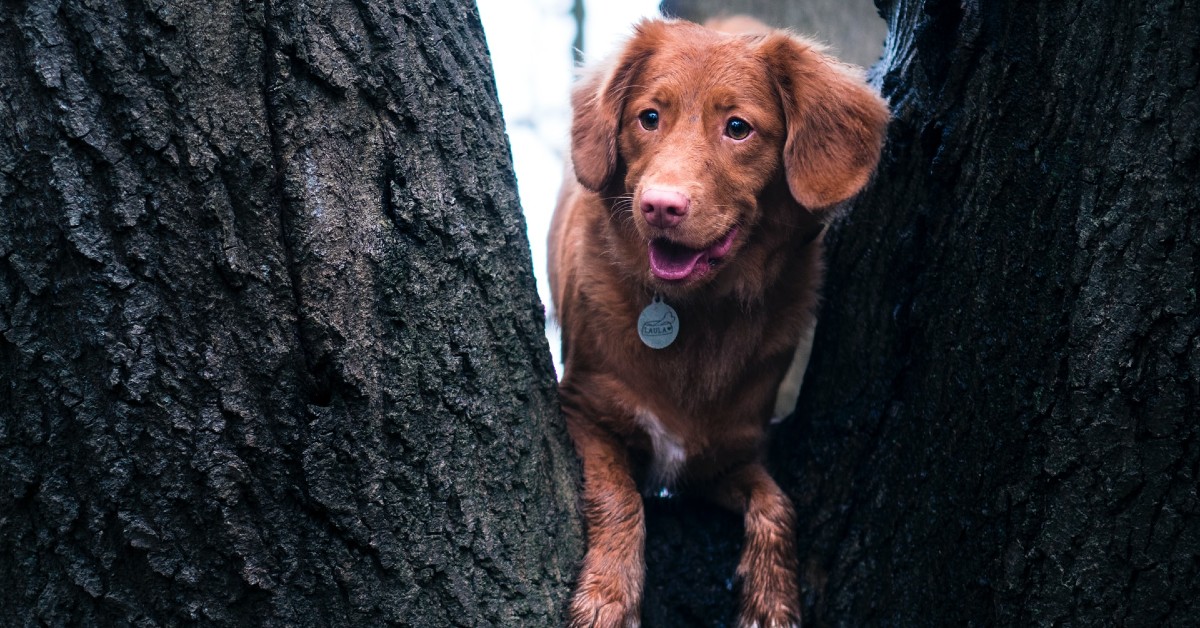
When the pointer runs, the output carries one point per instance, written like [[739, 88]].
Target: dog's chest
[[668, 456]]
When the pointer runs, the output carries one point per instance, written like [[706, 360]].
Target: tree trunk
[[272, 352], [1001, 427], [999, 423]]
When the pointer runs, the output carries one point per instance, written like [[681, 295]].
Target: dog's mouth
[[671, 261]]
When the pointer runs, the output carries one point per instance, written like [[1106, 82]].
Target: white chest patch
[[669, 455]]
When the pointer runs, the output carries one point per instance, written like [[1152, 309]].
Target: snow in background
[[530, 42]]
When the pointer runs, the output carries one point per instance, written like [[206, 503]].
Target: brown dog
[[703, 162]]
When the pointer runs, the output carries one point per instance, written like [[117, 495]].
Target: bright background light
[[530, 42]]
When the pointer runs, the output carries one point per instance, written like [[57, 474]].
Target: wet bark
[[999, 422], [270, 344]]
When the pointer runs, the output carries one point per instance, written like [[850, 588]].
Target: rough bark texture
[[999, 424], [1002, 423], [270, 346], [851, 27]]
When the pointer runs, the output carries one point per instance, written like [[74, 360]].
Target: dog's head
[[697, 136]]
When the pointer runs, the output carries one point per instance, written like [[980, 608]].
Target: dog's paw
[[769, 603], [784, 620], [590, 608]]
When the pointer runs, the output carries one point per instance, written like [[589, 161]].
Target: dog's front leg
[[770, 594], [609, 591]]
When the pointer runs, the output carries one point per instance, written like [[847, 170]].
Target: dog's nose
[[664, 208]]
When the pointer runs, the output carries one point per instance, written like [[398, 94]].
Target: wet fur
[[698, 408]]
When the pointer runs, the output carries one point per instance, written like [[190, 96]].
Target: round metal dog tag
[[658, 325]]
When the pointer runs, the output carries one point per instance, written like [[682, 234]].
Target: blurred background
[[535, 45]]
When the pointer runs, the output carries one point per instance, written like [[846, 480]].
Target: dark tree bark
[[1002, 422], [999, 423], [271, 351]]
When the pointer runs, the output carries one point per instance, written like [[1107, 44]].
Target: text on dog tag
[[658, 324]]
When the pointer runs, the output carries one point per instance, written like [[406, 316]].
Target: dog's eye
[[737, 128], [649, 119]]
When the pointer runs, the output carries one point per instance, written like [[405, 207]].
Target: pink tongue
[[672, 261]]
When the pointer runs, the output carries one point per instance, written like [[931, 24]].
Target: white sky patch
[[530, 43]]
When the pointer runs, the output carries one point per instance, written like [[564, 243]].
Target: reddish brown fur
[[816, 139]]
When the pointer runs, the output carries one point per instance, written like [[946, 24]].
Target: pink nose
[[664, 208]]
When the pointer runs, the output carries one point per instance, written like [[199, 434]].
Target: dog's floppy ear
[[597, 102], [835, 122]]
